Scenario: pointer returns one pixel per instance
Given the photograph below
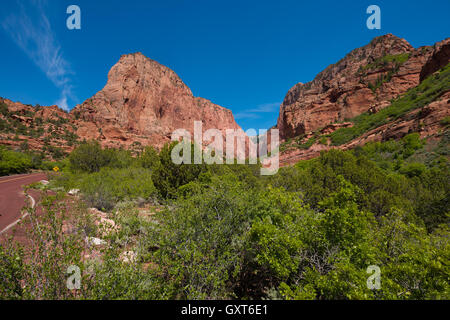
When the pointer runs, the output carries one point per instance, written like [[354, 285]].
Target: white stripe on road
[[33, 203]]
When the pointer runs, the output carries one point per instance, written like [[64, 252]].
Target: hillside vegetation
[[52, 133], [222, 231]]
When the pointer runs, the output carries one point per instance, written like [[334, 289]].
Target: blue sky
[[244, 55]]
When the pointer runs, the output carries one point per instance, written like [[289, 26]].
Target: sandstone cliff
[[367, 78], [384, 82], [144, 101]]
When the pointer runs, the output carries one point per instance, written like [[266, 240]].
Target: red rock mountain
[[367, 77], [144, 101], [366, 80]]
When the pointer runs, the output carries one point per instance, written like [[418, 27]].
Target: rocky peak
[[144, 101], [136, 70], [379, 47]]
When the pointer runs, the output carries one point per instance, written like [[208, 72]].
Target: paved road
[[12, 198]]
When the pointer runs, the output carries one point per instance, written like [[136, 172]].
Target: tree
[[89, 157], [149, 158], [168, 177]]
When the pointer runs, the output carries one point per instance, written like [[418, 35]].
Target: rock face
[[144, 101], [365, 79], [439, 58]]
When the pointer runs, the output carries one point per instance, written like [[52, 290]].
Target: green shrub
[[41, 271], [149, 158], [4, 125], [89, 157], [445, 121], [104, 189], [55, 152], [413, 169], [4, 109], [411, 143], [12, 162], [201, 242], [168, 177], [120, 158], [323, 140]]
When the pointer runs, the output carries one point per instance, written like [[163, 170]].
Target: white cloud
[[255, 113], [246, 115], [62, 103], [31, 31]]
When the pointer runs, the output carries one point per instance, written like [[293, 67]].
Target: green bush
[[445, 121], [224, 241], [4, 109], [12, 162], [201, 242], [62, 165], [104, 189], [168, 177], [88, 157], [149, 158]]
